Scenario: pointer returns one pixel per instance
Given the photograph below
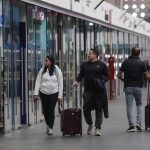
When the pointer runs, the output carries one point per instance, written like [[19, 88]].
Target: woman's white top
[[49, 84]]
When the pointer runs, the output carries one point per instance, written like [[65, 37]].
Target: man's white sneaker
[[89, 130], [98, 132]]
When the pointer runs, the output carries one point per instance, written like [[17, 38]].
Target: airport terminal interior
[[67, 29]]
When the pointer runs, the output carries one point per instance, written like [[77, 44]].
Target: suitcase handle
[[74, 100]]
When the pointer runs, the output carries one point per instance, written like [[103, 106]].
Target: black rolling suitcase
[[147, 111], [71, 120]]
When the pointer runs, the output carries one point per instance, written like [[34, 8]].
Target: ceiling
[[138, 10]]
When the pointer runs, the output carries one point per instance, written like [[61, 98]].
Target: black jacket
[[89, 71], [133, 69]]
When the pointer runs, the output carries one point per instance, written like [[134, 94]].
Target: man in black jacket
[[95, 74], [133, 69]]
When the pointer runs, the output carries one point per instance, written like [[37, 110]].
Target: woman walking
[[49, 86]]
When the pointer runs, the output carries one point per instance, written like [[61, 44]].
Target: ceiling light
[[142, 6], [134, 6], [90, 24], [142, 14], [126, 6], [134, 14]]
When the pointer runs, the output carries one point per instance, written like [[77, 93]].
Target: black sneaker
[[131, 129], [139, 127]]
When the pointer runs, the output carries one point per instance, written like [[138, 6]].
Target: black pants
[[48, 106], [92, 102]]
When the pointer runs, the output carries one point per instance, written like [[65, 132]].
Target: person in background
[[94, 99], [49, 86], [146, 62], [131, 73]]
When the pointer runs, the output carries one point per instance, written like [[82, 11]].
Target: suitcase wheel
[[81, 133], [145, 128]]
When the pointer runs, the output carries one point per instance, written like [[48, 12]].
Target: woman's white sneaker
[[47, 130], [50, 132]]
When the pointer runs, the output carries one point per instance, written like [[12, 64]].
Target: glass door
[[6, 54], [36, 19], [14, 65], [1, 76], [89, 35], [80, 54], [66, 45]]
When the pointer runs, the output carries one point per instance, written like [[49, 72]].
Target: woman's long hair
[[52, 60]]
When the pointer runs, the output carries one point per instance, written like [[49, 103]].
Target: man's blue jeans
[[130, 94]]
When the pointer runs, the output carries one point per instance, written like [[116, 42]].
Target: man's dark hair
[[135, 51], [95, 51]]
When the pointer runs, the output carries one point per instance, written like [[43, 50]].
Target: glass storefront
[[6, 54], [28, 34], [1, 75], [37, 49], [69, 53], [13, 65], [80, 55]]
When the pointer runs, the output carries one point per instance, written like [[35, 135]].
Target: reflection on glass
[[52, 33], [37, 49], [7, 74], [89, 35]]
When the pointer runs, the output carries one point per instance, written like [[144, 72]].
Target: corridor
[[114, 135]]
